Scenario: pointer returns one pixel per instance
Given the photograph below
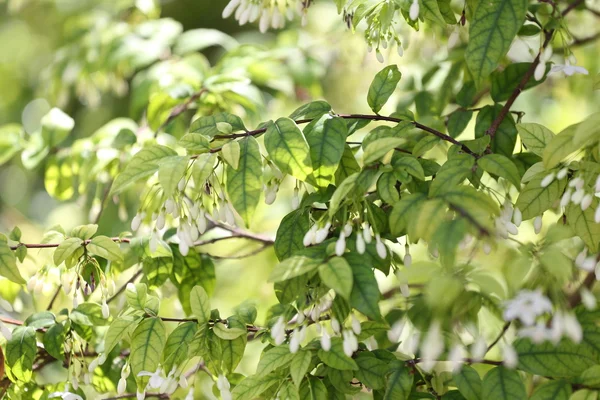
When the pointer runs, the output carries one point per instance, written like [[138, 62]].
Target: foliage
[[195, 159]]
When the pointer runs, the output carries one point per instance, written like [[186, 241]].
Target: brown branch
[[133, 395], [465, 360], [11, 321], [500, 335], [180, 109], [53, 245], [572, 6], [54, 297], [122, 288], [575, 298]]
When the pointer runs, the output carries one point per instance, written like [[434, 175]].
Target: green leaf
[[8, 263], [203, 167], [348, 166], [207, 125], [447, 12], [365, 291], [341, 193], [458, 121], [451, 174], [378, 148], [288, 391], [292, 267], [200, 304], [399, 382], [195, 143], [20, 352], [290, 234], [156, 270], [335, 357], [143, 164], [147, 344], [468, 382], [170, 171], [54, 340], [402, 211], [10, 141], [534, 199], [313, 389], [430, 11], [408, 164], [505, 138], [15, 234], [565, 359], [587, 131], [176, 347], [231, 154], [560, 147], [274, 358], [232, 351], [288, 149], [42, 319], [312, 110], [584, 225], [505, 82], [194, 40], [66, 249], [117, 330], [501, 383], [425, 144], [386, 188], [105, 247], [253, 386], [84, 232], [136, 295], [382, 87], [88, 314], [244, 184], [371, 371], [492, 28], [497, 164], [189, 271], [56, 126], [553, 390], [535, 137], [299, 366], [326, 139], [337, 274], [227, 333]]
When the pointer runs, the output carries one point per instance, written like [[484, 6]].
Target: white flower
[[367, 233], [5, 331], [360, 244], [309, 237], [548, 180], [381, 249], [270, 194], [588, 299], [562, 173], [136, 222], [294, 341], [230, 8], [414, 10], [568, 69], [478, 349], [565, 324], [190, 395], [278, 331], [140, 395], [511, 358], [66, 395], [404, 290], [105, 309], [347, 229], [586, 201], [169, 206], [350, 344], [356, 328], [379, 56], [537, 224], [223, 383], [121, 386], [577, 197], [456, 356], [335, 325], [589, 264], [566, 198], [340, 245], [527, 306], [597, 215], [396, 331], [517, 217], [577, 183], [322, 233], [597, 185], [156, 378], [539, 72], [432, 346], [400, 50], [411, 343], [295, 199], [325, 341]]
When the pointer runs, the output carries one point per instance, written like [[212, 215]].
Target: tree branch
[[122, 288], [180, 109], [53, 245], [500, 335]]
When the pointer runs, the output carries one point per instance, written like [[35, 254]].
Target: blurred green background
[[321, 60]]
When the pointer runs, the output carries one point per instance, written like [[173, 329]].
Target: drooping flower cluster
[[568, 68], [577, 192], [268, 13]]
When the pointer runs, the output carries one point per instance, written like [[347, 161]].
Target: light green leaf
[[399, 382], [299, 366], [290, 234], [560, 147], [565, 359], [288, 148], [311, 110], [335, 357], [288, 391], [348, 166], [231, 154], [84, 232], [117, 330], [553, 390], [337, 274], [189, 271], [105, 247], [588, 131], [326, 139], [584, 225], [365, 291], [535, 137], [386, 188], [274, 358], [143, 164], [207, 125], [8, 264], [147, 344], [136, 295], [203, 167], [313, 389], [402, 211], [227, 333], [56, 126], [468, 382], [502, 166], [253, 386], [451, 174], [493, 26], [378, 148], [424, 223], [382, 87], [501, 383], [42, 319], [533, 171], [458, 121], [341, 193], [195, 142], [195, 40], [10, 141], [244, 184], [170, 171], [409, 164], [177, 345], [232, 351], [371, 371], [505, 138], [534, 199], [200, 304], [54, 340], [66, 249], [430, 11], [20, 352], [292, 267]]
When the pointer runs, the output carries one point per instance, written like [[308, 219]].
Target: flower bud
[[380, 247], [566, 198], [597, 215], [31, 283], [136, 222], [356, 328], [105, 310], [517, 217], [340, 245], [367, 233], [360, 244], [414, 10], [121, 386], [562, 173], [169, 206], [347, 229], [325, 341], [295, 199], [537, 224], [539, 72], [586, 201], [511, 359], [548, 180]]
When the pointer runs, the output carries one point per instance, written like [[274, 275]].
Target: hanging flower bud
[[562, 173], [360, 244], [537, 224], [540, 70], [169, 206], [322, 233], [414, 10], [367, 233], [566, 198], [105, 309], [347, 229], [548, 179], [160, 220], [586, 201], [356, 328], [380, 247], [325, 341], [31, 283], [294, 342], [121, 386], [309, 237], [184, 248], [335, 325], [578, 196], [456, 356], [588, 299], [597, 185], [140, 395], [379, 56], [136, 222], [517, 217], [295, 199], [597, 215], [340, 245]]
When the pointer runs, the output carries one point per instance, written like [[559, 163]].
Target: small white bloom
[[121, 386], [270, 195], [309, 237], [586, 201], [548, 180], [396, 331], [335, 325], [360, 244], [588, 299], [414, 10], [512, 228], [156, 378], [539, 72], [169, 206], [517, 217], [160, 220], [367, 233], [577, 183], [325, 341], [184, 248], [181, 184], [347, 229], [295, 199], [578, 196], [546, 53], [105, 309], [265, 21], [478, 349], [405, 290], [230, 8], [190, 395], [511, 358], [340, 245], [527, 306], [379, 56], [356, 328], [400, 50], [321, 234], [136, 222], [566, 198], [432, 346], [537, 224], [294, 342], [562, 173], [456, 356], [223, 383], [66, 395], [380, 247], [568, 69], [589, 264], [579, 260], [597, 215], [597, 185]]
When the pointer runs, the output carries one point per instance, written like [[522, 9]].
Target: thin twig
[[122, 288], [103, 202], [465, 360], [53, 245], [180, 109], [500, 335], [53, 299], [133, 395]]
